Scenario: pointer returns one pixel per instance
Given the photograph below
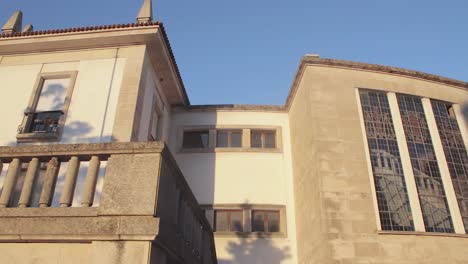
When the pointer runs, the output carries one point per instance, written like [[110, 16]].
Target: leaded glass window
[[392, 194], [435, 211], [455, 153]]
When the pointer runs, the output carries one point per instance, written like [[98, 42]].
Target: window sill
[[414, 233], [250, 234], [34, 137], [213, 150]]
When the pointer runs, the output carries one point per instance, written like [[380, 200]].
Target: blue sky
[[247, 52]]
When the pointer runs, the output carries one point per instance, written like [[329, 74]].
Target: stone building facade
[[104, 160]]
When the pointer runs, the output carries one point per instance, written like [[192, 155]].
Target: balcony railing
[[144, 197]]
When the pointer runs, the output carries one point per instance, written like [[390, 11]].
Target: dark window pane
[[270, 140], [221, 139], [256, 139], [392, 196], [236, 221], [236, 139], [195, 139], [221, 221], [273, 222], [258, 221]]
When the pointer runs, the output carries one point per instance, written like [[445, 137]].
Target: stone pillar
[[10, 182], [49, 183], [70, 182], [30, 179], [90, 182]]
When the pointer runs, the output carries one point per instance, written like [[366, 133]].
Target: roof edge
[[230, 107], [314, 60]]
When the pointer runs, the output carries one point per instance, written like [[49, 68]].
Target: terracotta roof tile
[[79, 29]]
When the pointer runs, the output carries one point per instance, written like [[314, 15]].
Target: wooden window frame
[[265, 220], [196, 130], [229, 212], [229, 137], [245, 138], [32, 105], [263, 138], [247, 210]]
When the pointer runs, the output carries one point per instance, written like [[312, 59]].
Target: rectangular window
[[263, 138], [455, 153], [228, 221], [48, 106], [265, 221], [229, 138], [195, 139], [392, 194], [435, 211]]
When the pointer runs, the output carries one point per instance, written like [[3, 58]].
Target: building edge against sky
[[364, 163]]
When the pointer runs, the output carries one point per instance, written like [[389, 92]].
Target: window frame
[[266, 224], [407, 167], [192, 131], [245, 138], [228, 220], [229, 132], [247, 210], [23, 135], [263, 138]]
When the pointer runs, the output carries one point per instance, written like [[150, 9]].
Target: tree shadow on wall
[[256, 250]]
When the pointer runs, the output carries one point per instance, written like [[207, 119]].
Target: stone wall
[[336, 218]]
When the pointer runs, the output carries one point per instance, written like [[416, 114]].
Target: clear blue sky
[[247, 51]]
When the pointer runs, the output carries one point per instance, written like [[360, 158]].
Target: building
[[363, 164]]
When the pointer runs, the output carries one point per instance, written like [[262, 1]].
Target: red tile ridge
[[79, 29]]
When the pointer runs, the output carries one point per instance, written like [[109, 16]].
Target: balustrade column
[[31, 174], [70, 182], [90, 182], [49, 183], [10, 182]]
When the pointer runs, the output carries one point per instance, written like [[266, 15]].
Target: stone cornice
[[314, 60]]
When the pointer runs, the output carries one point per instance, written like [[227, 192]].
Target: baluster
[[31, 174], [70, 182], [10, 182], [90, 182], [50, 180]]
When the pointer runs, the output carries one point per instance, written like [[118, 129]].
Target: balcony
[[49, 195]]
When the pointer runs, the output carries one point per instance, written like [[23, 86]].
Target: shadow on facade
[[255, 250]]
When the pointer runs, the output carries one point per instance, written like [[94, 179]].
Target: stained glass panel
[[435, 211], [455, 153], [392, 195]]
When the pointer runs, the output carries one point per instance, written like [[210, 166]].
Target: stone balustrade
[[143, 197]]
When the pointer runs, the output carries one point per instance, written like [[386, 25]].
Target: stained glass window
[[435, 211], [392, 194], [455, 153]]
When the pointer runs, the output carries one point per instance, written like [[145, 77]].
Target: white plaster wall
[[93, 104], [152, 89], [241, 177]]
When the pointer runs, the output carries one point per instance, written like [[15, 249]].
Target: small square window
[[228, 139], [263, 139], [228, 221], [195, 139], [265, 221]]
